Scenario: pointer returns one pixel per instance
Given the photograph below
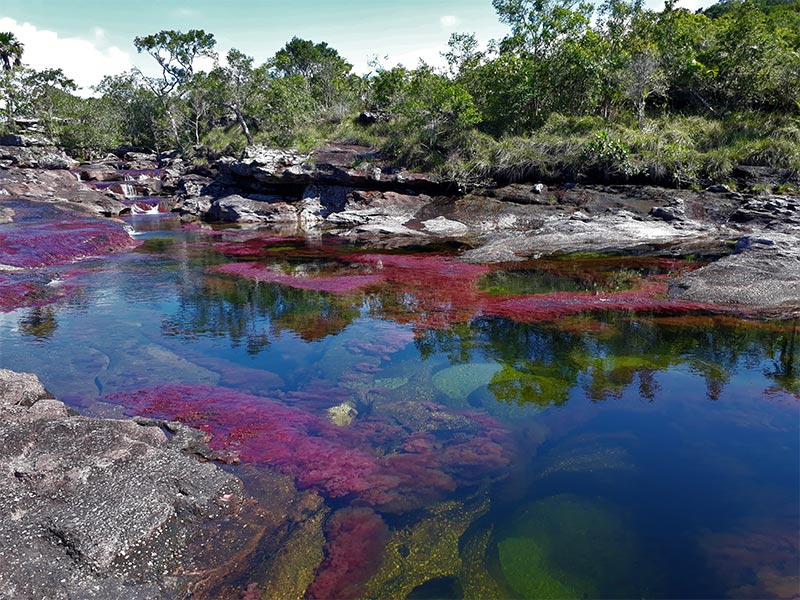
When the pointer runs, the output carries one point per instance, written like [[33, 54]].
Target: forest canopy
[[615, 89]]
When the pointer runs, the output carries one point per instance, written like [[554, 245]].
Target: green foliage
[[11, 50], [608, 158], [673, 96], [432, 115], [532, 383]]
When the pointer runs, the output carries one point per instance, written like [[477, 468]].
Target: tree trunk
[[641, 106], [243, 123]]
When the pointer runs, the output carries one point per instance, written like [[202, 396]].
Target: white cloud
[[449, 21], [85, 61]]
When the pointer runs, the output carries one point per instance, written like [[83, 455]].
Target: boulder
[[237, 209], [38, 157], [96, 508]]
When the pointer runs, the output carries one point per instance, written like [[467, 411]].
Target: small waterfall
[[128, 190]]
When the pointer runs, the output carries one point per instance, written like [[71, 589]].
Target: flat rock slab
[[96, 508], [765, 274]]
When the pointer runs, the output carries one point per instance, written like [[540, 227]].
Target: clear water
[[644, 455]]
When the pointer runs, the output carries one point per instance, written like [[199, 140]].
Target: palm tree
[[10, 50]]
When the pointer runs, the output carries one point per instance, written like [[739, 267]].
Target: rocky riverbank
[[352, 192], [107, 509], [349, 191]]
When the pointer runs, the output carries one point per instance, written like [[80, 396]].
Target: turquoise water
[[628, 453]]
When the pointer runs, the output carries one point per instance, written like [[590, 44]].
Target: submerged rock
[[427, 549]]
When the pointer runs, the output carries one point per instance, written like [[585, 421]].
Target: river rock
[[379, 209], [338, 164], [9, 139], [36, 157], [765, 275], [445, 227], [769, 211], [238, 209], [95, 508], [99, 172]]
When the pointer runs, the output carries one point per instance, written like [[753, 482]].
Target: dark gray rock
[[675, 211], [97, 508], [27, 141], [769, 211]]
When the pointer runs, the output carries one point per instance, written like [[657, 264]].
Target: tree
[[10, 50], [242, 83], [643, 78], [140, 116], [325, 70], [538, 26], [26, 92], [175, 52]]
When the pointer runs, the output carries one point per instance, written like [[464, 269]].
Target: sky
[[92, 38]]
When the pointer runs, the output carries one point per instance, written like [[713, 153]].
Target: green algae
[[543, 385], [568, 546], [476, 581], [527, 570], [459, 381], [426, 549]]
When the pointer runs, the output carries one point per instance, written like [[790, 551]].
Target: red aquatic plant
[[430, 291], [58, 242], [356, 539], [375, 461], [649, 296]]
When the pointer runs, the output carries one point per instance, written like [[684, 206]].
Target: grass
[[672, 150]]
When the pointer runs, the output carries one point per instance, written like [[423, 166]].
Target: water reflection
[[458, 450]]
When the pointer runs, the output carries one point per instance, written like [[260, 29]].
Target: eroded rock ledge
[[108, 509]]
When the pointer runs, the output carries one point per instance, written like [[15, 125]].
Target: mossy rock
[[527, 570], [426, 549], [568, 546], [459, 381]]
